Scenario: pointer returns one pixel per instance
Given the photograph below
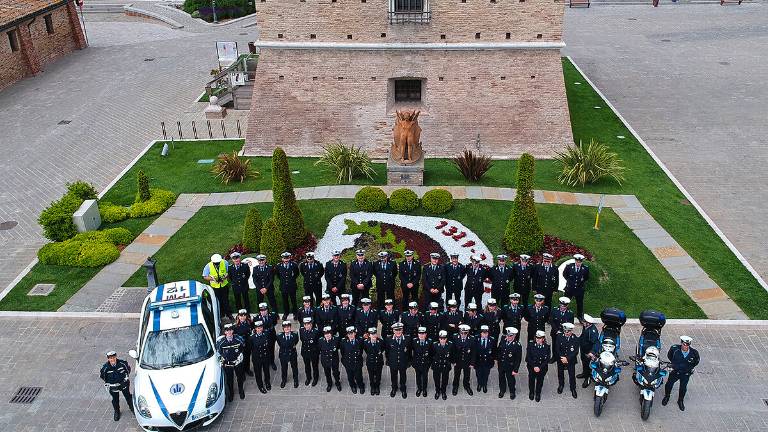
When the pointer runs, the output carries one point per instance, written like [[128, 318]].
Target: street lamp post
[[214, 11]]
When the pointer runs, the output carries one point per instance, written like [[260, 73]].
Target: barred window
[[409, 5], [407, 90]]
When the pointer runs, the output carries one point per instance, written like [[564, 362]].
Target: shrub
[[56, 220], [160, 200], [523, 232], [88, 249], [231, 167], [118, 235], [113, 213], [285, 211], [403, 200], [142, 187], [252, 230], [272, 243], [472, 166], [581, 165], [371, 199], [82, 190], [346, 162], [437, 201]]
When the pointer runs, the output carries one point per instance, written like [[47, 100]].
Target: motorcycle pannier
[[613, 317], [652, 319]]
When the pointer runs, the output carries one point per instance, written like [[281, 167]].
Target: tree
[[523, 232], [252, 230], [272, 244], [142, 194], [285, 211]]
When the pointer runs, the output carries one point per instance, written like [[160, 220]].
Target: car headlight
[[213, 394], [143, 407]]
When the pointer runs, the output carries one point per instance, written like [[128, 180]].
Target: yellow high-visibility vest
[[221, 273]]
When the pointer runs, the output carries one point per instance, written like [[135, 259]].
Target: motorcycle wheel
[[645, 409], [599, 401]]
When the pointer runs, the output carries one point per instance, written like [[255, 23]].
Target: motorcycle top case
[[652, 319], [613, 317]]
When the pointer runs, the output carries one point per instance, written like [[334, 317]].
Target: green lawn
[[631, 276]]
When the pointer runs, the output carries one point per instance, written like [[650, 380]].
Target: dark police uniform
[[484, 356], [545, 281], [365, 320], [587, 341], [682, 368], [287, 354], [536, 356], [329, 358], [346, 318], [473, 286], [288, 273], [352, 359], [451, 321], [244, 329], [500, 279], [493, 320], [231, 352], [513, 315], [442, 362], [568, 347], [463, 357], [262, 353], [360, 273], [387, 318], [397, 359], [270, 320], [116, 379], [374, 362], [434, 278], [313, 279], [556, 320], [509, 355], [537, 319], [335, 277], [575, 282], [454, 278], [411, 323], [433, 321], [385, 273], [474, 323], [310, 353], [264, 277], [305, 312], [421, 358], [239, 276], [521, 277], [327, 316], [410, 273]]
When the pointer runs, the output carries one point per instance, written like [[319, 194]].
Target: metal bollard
[[149, 264]]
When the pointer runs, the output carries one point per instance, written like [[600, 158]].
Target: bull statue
[[406, 148]]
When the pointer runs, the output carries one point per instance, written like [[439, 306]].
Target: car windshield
[[176, 347]]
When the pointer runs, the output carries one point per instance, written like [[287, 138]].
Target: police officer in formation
[[492, 317], [500, 276], [312, 271], [345, 314], [557, 318], [231, 347], [537, 316], [454, 278], [474, 286], [387, 317], [537, 361], [115, 373], [397, 358], [433, 321], [309, 335], [576, 275], [374, 359], [464, 355], [684, 359], [410, 278], [509, 356], [434, 280], [522, 274], [587, 343], [484, 355], [286, 342], [545, 279], [452, 318], [421, 355], [263, 276], [327, 313], [360, 276], [567, 355], [366, 317], [243, 327], [306, 311], [262, 354], [514, 312], [287, 273], [240, 274], [329, 358], [473, 319], [411, 320], [442, 359], [269, 319], [352, 359], [335, 276], [385, 272]]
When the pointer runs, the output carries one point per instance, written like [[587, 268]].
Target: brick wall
[[524, 20], [515, 100], [49, 47], [14, 66]]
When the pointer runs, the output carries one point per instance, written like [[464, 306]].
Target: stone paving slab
[[161, 230], [507, 194], [693, 284], [474, 192]]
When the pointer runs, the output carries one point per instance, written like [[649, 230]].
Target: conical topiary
[[286, 212], [142, 194], [523, 232], [272, 244], [252, 230]]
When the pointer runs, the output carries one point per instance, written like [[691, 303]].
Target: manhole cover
[[666, 40], [149, 59], [65, 122], [4, 226], [41, 289], [26, 395], [243, 34]]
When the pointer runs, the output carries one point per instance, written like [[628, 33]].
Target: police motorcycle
[[650, 371], [606, 367]]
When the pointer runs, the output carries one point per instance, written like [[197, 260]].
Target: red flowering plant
[[242, 250], [558, 247]]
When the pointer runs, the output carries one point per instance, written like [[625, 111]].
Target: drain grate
[[149, 59], [666, 40], [5, 226], [65, 122], [26, 395]]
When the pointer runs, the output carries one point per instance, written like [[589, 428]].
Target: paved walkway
[[99, 293], [725, 394]]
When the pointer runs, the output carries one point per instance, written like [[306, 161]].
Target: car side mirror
[[133, 354]]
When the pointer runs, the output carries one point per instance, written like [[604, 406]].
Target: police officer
[[230, 347], [442, 361], [387, 317], [474, 287], [385, 272], [365, 317], [306, 311], [537, 315], [352, 359], [115, 374], [522, 275], [452, 319], [240, 274], [263, 276], [537, 360], [567, 353], [374, 359], [262, 354], [288, 272], [501, 276], [421, 355], [243, 327], [434, 280], [346, 314], [410, 278], [396, 347], [286, 342], [433, 321], [454, 278], [509, 354], [576, 275], [545, 278], [464, 346], [329, 357], [484, 356], [335, 276], [360, 276], [216, 273], [310, 350], [557, 318], [312, 271], [411, 320], [513, 313], [684, 359], [492, 318], [587, 342], [270, 321], [473, 319], [327, 313]]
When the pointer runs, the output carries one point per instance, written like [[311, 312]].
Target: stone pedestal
[[405, 175], [213, 111]]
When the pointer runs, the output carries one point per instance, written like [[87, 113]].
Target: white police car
[[179, 383]]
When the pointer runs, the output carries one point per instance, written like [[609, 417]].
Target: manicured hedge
[[524, 233], [272, 244], [56, 220], [111, 213], [160, 200], [88, 249], [437, 201], [403, 200], [285, 211], [252, 230], [371, 199]]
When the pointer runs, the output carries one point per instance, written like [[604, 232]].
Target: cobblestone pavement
[[115, 94], [724, 395], [687, 79]]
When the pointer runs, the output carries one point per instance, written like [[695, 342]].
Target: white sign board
[[237, 78], [226, 52]]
